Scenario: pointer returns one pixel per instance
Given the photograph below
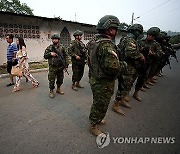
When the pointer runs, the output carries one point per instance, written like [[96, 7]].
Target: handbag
[[17, 71], [14, 62]]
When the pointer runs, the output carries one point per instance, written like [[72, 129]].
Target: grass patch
[[32, 66]]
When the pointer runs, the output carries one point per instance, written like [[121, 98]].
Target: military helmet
[[77, 32], [136, 27], [162, 35], [55, 36], [153, 31], [108, 21]]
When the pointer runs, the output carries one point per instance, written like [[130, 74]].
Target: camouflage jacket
[[130, 48], [154, 46], [77, 48], [103, 58], [60, 50]]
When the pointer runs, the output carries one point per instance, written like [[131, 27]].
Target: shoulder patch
[[114, 53]]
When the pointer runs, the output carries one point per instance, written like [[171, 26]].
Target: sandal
[[15, 89], [35, 85]]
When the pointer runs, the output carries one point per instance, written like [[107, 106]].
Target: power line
[[155, 7]]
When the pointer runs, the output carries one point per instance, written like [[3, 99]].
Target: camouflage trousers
[[102, 90], [141, 76], [153, 69], [78, 71], [55, 72], [126, 83]]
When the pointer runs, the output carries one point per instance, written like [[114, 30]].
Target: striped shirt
[[11, 49]]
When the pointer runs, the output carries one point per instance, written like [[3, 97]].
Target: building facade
[[37, 32]]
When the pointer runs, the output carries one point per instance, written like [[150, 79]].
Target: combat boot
[[142, 89], [95, 130], [136, 96], [116, 108], [74, 86], [59, 91], [51, 94], [149, 83], [78, 85], [126, 98], [152, 80], [146, 86], [161, 75], [124, 103]]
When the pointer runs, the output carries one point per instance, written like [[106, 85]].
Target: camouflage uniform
[[157, 52], [151, 60], [77, 48], [104, 68], [56, 70], [129, 46]]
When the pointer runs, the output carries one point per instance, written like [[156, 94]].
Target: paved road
[[31, 122]]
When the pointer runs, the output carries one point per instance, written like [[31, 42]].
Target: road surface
[[31, 122]]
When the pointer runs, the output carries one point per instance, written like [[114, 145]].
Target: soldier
[[155, 53], [104, 67], [58, 61], [134, 59], [161, 39], [78, 58], [151, 50]]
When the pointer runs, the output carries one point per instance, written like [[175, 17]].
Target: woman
[[23, 63]]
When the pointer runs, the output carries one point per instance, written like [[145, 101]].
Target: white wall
[[37, 46]]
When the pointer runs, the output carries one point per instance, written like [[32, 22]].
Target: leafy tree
[[15, 6], [175, 39]]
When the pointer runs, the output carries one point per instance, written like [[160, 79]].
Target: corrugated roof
[[46, 18]]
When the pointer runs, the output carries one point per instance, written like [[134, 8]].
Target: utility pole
[[132, 21], [132, 18], [75, 16]]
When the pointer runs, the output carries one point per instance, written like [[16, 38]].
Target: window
[[88, 35]]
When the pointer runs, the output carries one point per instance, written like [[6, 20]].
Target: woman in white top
[[23, 63]]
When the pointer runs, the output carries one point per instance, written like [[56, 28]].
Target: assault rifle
[[59, 60]]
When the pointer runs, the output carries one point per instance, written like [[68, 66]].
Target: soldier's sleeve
[[86, 52], [131, 50], [159, 51], [66, 55], [72, 49], [47, 53], [109, 61]]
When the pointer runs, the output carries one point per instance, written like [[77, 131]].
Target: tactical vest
[[59, 60], [94, 66]]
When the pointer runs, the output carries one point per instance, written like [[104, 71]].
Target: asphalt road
[[31, 122]]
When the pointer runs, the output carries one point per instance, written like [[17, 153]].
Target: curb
[[31, 71]]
